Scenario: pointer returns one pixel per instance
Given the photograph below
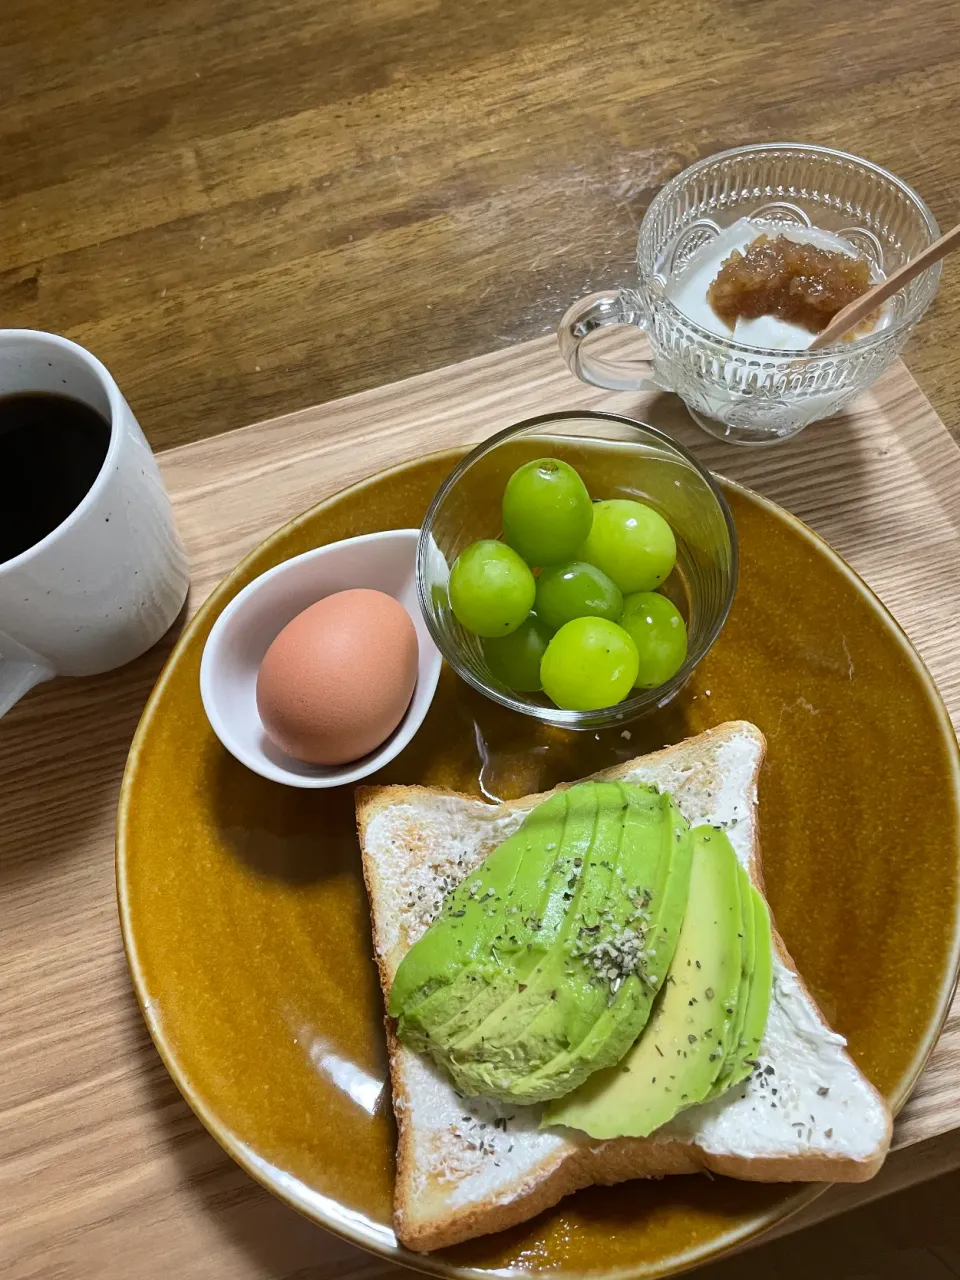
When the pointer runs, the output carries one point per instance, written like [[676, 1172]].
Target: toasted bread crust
[[422, 1228], [618, 1160]]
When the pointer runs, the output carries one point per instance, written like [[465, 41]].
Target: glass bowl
[[617, 457], [740, 393]]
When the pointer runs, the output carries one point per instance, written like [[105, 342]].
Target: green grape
[[657, 629], [546, 511], [589, 663], [631, 543], [515, 659], [576, 590], [491, 589]]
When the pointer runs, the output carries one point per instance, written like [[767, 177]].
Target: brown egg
[[339, 677]]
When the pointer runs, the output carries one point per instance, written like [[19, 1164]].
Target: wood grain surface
[[244, 208], [105, 1172], [247, 208]]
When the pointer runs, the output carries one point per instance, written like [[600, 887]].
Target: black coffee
[[51, 451]]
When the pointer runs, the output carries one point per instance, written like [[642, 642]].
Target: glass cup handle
[[600, 311]]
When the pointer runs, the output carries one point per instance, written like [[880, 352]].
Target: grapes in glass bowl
[[576, 567], [559, 570]]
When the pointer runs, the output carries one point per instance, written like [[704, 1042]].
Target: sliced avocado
[[607, 1040], [543, 966], [733, 1046], [460, 953], [589, 1038], [523, 925], [682, 1049], [465, 927], [744, 1059]]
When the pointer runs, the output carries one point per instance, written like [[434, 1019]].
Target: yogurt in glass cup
[[737, 391]]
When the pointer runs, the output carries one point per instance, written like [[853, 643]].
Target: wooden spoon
[[852, 314]]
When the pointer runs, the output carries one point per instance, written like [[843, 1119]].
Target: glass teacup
[[740, 393]]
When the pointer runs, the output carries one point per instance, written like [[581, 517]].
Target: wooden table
[[245, 208], [249, 206]]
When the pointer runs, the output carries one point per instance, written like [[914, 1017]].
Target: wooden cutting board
[[105, 1172]]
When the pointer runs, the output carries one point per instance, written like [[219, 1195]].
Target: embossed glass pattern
[[745, 394]]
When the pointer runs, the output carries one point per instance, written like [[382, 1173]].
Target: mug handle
[[600, 311], [20, 670]]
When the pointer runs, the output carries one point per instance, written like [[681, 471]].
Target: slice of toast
[[466, 1167]]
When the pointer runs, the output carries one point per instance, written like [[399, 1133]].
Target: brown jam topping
[[800, 283]]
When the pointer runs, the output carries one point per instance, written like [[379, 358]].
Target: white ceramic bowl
[[253, 619]]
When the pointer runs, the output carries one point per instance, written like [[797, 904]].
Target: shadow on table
[[790, 472], [64, 748], [835, 473]]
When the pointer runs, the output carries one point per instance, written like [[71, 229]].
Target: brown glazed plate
[[245, 917]]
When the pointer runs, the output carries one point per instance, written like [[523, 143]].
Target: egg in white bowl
[[341, 670]]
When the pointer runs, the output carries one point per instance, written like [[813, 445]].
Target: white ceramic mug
[[107, 582]]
